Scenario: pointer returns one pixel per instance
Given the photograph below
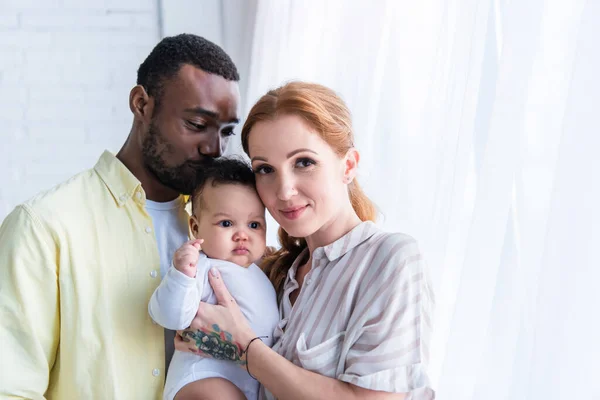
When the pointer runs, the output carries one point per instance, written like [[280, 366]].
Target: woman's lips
[[293, 213]]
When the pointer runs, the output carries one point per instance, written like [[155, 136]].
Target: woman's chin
[[298, 230]]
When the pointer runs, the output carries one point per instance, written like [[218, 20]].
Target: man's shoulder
[[65, 196]]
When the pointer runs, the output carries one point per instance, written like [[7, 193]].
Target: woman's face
[[299, 177]]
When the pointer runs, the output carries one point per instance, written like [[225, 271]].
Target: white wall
[[66, 68], [228, 23]]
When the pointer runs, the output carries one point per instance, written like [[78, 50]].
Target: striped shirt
[[363, 314]]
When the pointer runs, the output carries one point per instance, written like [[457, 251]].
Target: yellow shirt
[[78, 265]]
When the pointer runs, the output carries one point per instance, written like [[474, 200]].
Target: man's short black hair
[[171, 53], [223, 171]]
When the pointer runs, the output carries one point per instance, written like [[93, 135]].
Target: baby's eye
[[254, 225], [225, 224]]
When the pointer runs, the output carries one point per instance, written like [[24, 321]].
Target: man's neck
[[155, 191]]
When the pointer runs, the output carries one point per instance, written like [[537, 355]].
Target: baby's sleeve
[[175, 301]]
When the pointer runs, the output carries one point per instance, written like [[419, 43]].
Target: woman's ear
[[140, 104], [351, 165], [194, 227]]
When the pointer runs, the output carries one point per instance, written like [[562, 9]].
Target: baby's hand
[[186, 257]]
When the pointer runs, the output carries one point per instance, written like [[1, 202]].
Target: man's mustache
[[206, 162]]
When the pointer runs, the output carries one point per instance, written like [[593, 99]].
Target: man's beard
[[182, 178]]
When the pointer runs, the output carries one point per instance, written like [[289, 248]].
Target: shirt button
[[308, 281], [153, 274], [138, 195], [156, 372], [148, 229], [122, 198]]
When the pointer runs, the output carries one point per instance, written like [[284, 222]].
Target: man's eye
[[228, 132], [254, 225], [263, 170], [225, 224], [304, 162], [198, 127]]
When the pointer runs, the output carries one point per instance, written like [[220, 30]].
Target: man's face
[[192, 125]]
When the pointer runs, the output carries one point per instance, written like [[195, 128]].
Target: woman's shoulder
[[395, 243], [390, 264], [390, 252]]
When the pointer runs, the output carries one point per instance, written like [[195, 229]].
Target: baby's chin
[[242, 260]]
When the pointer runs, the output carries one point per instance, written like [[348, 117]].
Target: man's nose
[[212, 147]]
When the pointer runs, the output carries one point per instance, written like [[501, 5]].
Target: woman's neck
[[337, 227]]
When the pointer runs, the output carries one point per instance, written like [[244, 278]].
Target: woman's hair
[[325, 112]]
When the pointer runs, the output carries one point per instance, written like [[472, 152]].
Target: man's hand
[[186, 257]]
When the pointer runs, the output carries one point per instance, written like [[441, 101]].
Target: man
[[79, 263]]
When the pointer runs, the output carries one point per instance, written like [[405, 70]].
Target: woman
[[355, 302]]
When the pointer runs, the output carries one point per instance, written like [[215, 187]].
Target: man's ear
[[351, 165], [140, 104], [193, 227]]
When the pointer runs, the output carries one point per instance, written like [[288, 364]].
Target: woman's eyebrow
[[293, 153], [289, 155]]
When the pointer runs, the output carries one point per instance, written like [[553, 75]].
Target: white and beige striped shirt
[[363, 314]]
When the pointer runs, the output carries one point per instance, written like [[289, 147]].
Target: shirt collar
[[340, 247], [350, 240], [119, 180]]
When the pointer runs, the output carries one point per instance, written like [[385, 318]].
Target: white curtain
[[478, 126]]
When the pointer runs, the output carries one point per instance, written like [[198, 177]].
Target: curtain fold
[[477, 123]]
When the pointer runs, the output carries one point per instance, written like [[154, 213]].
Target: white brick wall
[[66, 68]]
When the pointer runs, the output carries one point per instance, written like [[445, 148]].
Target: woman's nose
[[286, 188]]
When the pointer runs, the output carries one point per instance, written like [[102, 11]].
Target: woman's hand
[[219, 331]]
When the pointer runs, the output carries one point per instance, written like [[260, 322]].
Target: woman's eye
[[225, 224], [198, 127], [263, 170], [304, 162], [254, 225]]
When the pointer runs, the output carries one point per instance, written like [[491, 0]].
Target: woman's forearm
[[287, 381]]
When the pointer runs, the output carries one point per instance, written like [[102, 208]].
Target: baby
[[228, 219]]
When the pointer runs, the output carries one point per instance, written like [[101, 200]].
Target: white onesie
[[174, 305]]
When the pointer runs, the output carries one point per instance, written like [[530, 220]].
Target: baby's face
[[231, 220]]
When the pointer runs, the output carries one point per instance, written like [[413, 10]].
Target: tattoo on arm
[[215, 343]]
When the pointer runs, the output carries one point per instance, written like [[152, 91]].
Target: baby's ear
[[193, 227]]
